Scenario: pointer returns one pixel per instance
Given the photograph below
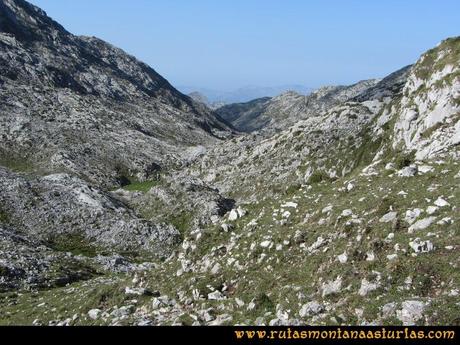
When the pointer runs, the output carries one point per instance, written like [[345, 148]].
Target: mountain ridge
[[89, 73]]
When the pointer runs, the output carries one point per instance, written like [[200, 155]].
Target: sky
[[227, 44]]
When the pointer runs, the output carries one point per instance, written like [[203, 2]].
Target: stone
[[440, 202], [347, 213], [208, 315], [431, 209], [310, 309], [445, 221], [220, 320], [145, 322], [389, 217], [216, 269], [260, 321], [421, 224], [411, 312], [157, 303], [123, 311], [227, 227], [138, 291], [423, 169], [350, 187], [332, 287], [320, 241], [408, 171], [289, 205], [241, 212], [240, 303], [216, 296], [233, 215], [342, 258], [389, 166], [370, 256], [266, 244], [392, 257], [412, 215], [214, 219], [420, 246], [367, 287], [327, 209], [389, 310], [94, 313], [286, 214]]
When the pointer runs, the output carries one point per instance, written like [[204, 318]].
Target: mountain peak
[[27, 22]]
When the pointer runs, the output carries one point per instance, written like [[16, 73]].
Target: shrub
[[318, 176], [264, 303], [403, 160], [3, 216]]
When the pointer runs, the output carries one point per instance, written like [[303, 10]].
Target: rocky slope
[[273, 115], [428, 122], [79, 105], [200, 98], [246, 117], [342, 209], [79, 117]]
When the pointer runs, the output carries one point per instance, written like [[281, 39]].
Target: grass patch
[[429, 131], [404, 159], [366, 152], [16, 164], [431, 63], [181, 222], [73, 243], [318, 176], [141, 186], [4, 216]]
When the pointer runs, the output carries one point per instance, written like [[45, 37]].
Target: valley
[[125, 202]]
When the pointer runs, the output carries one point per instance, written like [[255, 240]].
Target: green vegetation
[[275, 279], [3, 216], [268, 277], [73, 243], [141, 186], [429, 131], [3, 271], [365, 153], [318, 176], [181, 221], [77, 299], [431, 61], [293, 188], [404, 159], [263, 304], [16, 163]]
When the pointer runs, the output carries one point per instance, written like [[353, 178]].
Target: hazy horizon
[[227, 45]]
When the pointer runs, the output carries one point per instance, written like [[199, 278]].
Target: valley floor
[[372, 248]]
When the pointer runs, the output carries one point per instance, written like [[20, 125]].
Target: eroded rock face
[[26, 262], [81, 105], [271, 115], [429, 122], [55, 207], [81, 116]]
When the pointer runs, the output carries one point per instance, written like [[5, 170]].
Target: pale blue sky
[[225, 44]]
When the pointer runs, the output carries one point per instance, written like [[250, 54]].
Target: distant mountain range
[[243, 94]]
